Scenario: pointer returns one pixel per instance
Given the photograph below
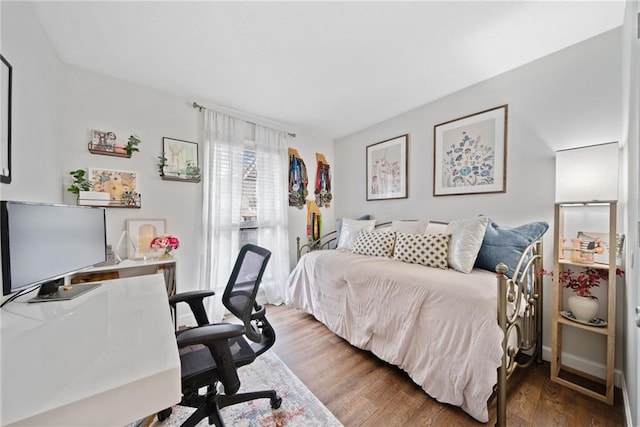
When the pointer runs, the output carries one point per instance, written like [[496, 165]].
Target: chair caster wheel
[[276, 402], [164, 414]]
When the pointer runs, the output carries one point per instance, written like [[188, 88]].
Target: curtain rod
[[201, 108]]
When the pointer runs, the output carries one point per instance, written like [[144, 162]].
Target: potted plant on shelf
[[192, 170], [162, 162], [79, 182], [132, 144], [583, 305]]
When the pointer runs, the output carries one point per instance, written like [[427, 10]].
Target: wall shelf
[[111, 203], [96, 149], [175, 178]]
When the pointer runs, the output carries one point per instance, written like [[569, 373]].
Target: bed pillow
[[339, 226], [506, 244], [436, 227], [427, 249], [409, 227], [350, 230], [466, 240], [375, 243]]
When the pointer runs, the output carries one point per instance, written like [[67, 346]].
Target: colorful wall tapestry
[[323, 182], [298, 180]]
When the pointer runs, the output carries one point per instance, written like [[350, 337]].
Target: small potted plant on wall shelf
[[79, 182], [132, 144], [82, 188], [162, 161], [193, 171]]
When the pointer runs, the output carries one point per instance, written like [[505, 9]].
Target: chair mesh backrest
[[240, 294]]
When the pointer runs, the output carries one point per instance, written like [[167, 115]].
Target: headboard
[[328, 240]]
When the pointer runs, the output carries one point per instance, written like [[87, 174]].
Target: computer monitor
[[42, 243]]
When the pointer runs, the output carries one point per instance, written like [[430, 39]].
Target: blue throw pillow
[[339, 227], [506, 244]]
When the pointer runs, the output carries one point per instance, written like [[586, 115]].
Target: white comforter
[[438, 325]]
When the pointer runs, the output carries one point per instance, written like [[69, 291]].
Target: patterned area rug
[[300, 408]]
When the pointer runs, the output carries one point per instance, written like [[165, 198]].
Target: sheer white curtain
[[223, 140], [272, 163]]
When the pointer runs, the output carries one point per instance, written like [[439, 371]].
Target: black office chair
[[211, 353]]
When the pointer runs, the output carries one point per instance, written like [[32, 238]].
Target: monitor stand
[[56, 291]]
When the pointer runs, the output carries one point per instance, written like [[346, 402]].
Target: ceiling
[[328, 68]]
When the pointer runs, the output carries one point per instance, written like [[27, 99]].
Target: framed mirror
[[5, 124]]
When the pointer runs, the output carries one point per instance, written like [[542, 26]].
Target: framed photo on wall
[[6, 76], [180, 160], [470, 154], [141, 232], [387, 169]]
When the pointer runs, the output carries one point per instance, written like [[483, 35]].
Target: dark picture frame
[[387, 169], [470, 154], [180, 160], [6, 80]]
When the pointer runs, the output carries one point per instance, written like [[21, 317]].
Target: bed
[[455, 333]]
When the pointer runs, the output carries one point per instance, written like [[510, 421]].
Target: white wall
[[93, 101], [567, 99], [308, 146], [37, 75], [631, 116], [55, 108]]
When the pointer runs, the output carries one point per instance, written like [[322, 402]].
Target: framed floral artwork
[[470, 154], [387, 169], [122, 186]]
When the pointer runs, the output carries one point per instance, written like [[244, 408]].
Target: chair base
[[209, 405]]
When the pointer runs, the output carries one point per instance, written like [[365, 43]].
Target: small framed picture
[[141, 232], [180, 160], [470, 154], [387, 169], [594, 247]]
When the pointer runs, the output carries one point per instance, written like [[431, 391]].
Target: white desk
[[133, 268], [108, 357]]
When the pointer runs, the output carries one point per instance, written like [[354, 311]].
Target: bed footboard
[[523, 289]]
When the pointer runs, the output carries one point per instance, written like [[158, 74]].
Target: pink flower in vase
[[166, 242]]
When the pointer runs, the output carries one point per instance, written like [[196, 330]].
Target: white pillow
[[465, 242], [410, 227], [350, 230], [436, 228]]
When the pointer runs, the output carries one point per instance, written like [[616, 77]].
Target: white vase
[[584, 308]]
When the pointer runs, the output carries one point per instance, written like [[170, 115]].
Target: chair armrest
[[216, 338], [196, 304], [209, 334], [190, 296]]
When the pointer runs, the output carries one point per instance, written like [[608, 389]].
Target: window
[[249, 203]]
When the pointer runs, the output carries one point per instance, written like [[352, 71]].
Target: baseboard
[[626, 403], [585, 365]]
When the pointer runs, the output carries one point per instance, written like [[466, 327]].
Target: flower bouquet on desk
[[167, 243]]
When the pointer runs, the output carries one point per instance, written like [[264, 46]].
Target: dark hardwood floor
[[361, 390]]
